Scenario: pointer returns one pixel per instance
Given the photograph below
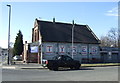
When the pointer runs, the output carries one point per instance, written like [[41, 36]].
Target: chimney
[[73, 22], [25, 42], [54, 20]]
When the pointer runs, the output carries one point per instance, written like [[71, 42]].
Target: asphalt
[[83, 74]]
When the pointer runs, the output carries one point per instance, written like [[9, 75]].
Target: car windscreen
[[56, 58]]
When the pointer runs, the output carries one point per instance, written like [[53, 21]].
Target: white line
[[8, 68]]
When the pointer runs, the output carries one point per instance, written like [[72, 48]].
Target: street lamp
[[72, 37], [40, 56], [9, 34]]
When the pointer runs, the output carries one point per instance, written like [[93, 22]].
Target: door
[[68, 61]]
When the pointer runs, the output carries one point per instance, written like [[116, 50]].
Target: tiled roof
[[62, 32]]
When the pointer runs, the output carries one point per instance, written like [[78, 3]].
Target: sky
[[99, 16]]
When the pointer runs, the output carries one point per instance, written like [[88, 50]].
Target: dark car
[[62, 61]]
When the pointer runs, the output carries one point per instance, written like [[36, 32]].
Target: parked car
[[17, 58], [44, 62], [61, 61]]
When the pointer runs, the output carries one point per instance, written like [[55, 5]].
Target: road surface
[[84, 74]]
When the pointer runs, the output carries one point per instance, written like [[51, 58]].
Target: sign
[[110, 53], [74, 50], [94, 50], [84, 50], [34, 49], [49, 49], [61, 49]]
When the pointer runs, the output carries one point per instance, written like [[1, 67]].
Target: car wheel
[[55, 68], [71, 67], [77, 66]]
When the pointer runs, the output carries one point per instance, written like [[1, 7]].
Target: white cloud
[[3, 43], [112, 12]]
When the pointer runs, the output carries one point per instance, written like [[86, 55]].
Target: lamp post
[[72, 37], [9, 35], [40, 56]]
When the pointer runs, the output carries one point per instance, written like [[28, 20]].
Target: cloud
[[3, 43], [112, 12]]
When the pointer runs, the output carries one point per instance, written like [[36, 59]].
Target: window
[[68, 58]]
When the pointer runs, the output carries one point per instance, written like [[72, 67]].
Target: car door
[[68, 61], [61, 62]]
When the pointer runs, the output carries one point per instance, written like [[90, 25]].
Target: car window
[[64, 58], [68, 58], [59, 58], [56, 58]]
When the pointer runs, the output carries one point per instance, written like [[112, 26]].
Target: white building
[[56, 39], [3, 55]]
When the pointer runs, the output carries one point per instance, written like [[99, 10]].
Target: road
[[84, 74]]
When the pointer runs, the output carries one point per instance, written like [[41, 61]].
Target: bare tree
[[111, 39], [113, 36], [104, 41]]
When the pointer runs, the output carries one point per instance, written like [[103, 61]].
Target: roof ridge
[[61, 22]]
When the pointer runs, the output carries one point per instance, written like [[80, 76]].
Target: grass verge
[[102, 64]]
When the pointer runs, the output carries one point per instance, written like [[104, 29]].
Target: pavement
[[23, 66]]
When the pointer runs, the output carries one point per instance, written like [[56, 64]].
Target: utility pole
[[9, 62], [72, 37]]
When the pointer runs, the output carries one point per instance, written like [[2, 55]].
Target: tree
[[104, 41], [18, 46], [111, 39]]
